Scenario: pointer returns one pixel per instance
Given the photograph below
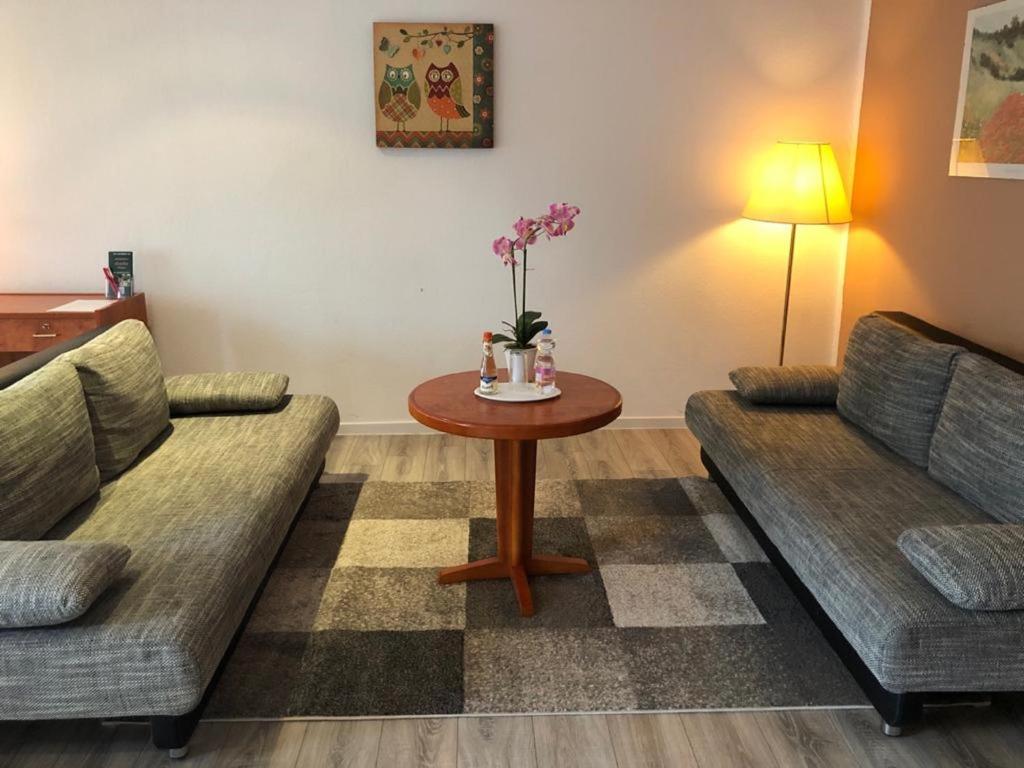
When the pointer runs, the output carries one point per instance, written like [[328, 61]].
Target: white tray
[[517, 393]]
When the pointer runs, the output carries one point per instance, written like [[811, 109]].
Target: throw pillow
[[977, 567], [787, 385], [50, 582], [225, 392]]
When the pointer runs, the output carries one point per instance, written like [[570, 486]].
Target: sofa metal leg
[[179, 753], [891, 730]]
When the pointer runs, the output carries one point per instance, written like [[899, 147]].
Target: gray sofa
[[204, 508], [926, 432]]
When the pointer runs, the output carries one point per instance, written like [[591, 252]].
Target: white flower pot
[[520, 364]]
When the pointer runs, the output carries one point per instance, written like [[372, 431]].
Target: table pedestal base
[[515, 471]]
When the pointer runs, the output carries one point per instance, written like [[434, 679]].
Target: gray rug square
[[547, 670], [634, 497], [314, 544], [404, 543], [553, 498], [260, 677], [551, 536], [709, 668], [676, 595], [291, 600], [380, 673], [413, 501], [332, 500], [652, 539], [811, 664], [399, 599], [734, 540], [570, 600]]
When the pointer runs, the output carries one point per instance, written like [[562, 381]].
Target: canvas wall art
[[434, 84], [988, 138]]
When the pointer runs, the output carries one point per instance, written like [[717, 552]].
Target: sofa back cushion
[[978, 448], [124, 389], [47, 460], [893, 383]]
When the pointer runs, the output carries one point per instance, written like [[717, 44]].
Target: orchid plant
[[558, 221]]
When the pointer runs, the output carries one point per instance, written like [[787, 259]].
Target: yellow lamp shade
[[800, 184]]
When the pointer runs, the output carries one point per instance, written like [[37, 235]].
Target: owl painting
[[444, 93], [399, 95], [432, 85]]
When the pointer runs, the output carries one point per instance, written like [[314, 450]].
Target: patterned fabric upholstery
[[204, 510], [787, 385], [124, 389], [834, 500], [978, 448], [893, 383], [977, 567], [225, 392], [51, 582], [47, 463]]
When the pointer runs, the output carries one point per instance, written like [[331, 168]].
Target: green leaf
[[424, 42], [460, 43], [501, 338], [536, 328]]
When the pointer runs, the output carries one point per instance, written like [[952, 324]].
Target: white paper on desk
[[83, 305]]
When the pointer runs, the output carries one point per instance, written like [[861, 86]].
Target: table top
[[448, 404], [39, 304]]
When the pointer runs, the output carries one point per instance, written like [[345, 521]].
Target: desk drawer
[[34, 334]]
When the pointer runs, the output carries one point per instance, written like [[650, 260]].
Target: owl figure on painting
[[444, 93], [399, 95]]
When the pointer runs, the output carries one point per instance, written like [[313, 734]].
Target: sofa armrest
[[976, 567], [225, 392], [787, 385], [43, 583]]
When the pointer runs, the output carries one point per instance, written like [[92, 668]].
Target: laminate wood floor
[[955, 736]]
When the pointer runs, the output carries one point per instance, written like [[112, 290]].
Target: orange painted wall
[[950, 250]]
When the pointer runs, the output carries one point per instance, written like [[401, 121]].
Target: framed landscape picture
[[988, 138], [434, 84]]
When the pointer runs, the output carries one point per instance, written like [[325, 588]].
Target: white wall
[[230, 145]]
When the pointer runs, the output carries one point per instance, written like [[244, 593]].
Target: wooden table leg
[[515, 472]]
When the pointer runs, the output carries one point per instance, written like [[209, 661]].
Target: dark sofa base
[[174, 733], [896, 709]]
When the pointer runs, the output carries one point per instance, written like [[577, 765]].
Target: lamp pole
[[789, 283]]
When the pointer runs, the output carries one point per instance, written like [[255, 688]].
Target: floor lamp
[[800, 185]]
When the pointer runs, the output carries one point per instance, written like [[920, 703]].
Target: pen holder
[[109, 291]]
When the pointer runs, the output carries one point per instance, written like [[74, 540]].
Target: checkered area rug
[[681, 610]]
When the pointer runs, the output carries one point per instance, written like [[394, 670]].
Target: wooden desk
[[448, 404], [28, 323]]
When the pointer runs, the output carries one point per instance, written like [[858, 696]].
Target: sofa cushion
[[47, 461], [893, 383], [51, 582], [124, 389], [977, 567], [204, 512], [787, 385], [978, 448], [225, 392]]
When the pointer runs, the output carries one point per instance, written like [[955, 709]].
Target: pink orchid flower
[[502, 248]]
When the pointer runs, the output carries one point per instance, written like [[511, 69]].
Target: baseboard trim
[[415, 428]]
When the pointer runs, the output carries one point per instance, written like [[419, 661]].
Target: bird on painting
[[399, 95], [444, 93]]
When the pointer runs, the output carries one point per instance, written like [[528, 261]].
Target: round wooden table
[[448, 404]]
